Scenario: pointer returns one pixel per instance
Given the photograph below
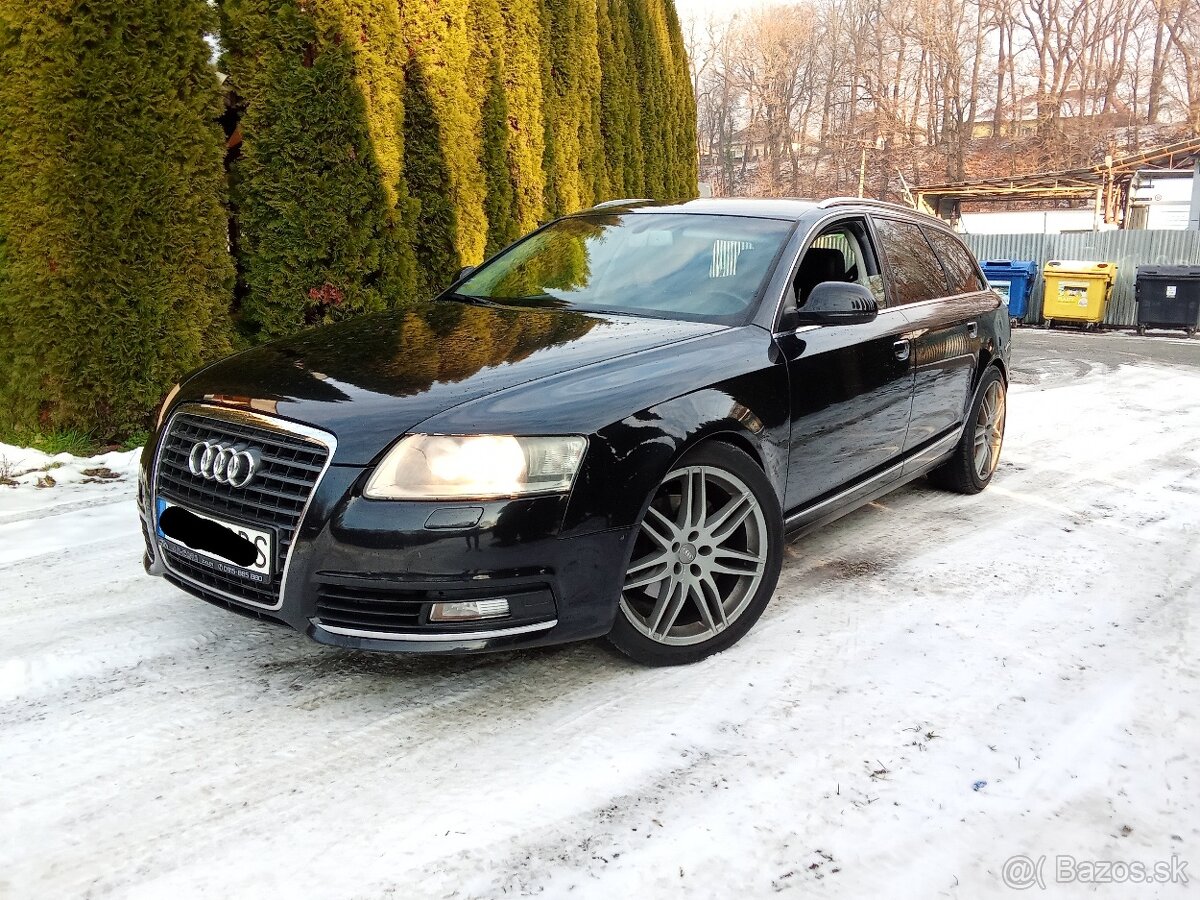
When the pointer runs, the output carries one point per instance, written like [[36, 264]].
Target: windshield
[[670, 265]]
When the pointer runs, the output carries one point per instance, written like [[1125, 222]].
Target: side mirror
[[838, 303], [464, 272]]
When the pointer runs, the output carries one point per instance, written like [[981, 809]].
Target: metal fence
[[1128, 249]]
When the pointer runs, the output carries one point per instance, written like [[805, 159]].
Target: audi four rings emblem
[[233, 465]]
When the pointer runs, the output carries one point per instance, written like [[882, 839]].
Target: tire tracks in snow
[[60, 509]]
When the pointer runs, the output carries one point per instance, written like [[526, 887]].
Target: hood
[[371, 379]]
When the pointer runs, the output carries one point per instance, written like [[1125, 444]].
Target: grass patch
[[66, 440], [135, 440]]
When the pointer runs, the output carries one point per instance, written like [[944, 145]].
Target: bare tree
[[812, 96], [1182, 20]]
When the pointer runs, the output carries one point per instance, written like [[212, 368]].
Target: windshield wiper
[[470, 298]]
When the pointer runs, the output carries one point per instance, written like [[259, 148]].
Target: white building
[[1031, 221], [1159, 198]]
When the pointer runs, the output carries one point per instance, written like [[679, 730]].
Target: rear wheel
[[975, 458], [705, 560]]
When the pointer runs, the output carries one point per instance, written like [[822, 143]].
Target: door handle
[[902, 349], [973, 329]]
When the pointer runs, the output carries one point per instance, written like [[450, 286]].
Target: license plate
[[263, 541]]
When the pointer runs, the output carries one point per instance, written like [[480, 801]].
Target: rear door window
[[956, 260], [912, 267]]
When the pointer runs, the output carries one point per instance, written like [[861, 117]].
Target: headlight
[[455, 467], [164, 406]]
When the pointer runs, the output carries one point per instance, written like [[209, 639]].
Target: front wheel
[[975, 458], [705, 560]]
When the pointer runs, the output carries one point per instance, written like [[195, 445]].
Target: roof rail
[[623, 202], [864, 201]]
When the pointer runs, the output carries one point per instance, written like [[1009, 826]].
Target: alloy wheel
[[989, 430], [698, 558]]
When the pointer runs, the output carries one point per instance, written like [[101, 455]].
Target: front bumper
[[364, 573]]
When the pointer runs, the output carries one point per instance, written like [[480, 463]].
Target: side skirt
[[911, 467]]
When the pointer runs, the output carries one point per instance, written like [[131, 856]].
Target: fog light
[[468, 610]]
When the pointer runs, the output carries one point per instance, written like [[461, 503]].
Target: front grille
[[274, 500], [370, 609], [202, 576], [220, 600]]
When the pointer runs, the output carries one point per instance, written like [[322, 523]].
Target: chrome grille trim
[[236, 416]]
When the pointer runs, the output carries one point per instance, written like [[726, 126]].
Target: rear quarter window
[[912, 268], [960, 267]]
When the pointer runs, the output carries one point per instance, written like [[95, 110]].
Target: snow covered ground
[[941, 683]]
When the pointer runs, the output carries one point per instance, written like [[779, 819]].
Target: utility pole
[[1194, 210], [1109, 212], [905, 191]]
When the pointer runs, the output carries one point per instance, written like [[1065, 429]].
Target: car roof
[[788, 208], [763, 207]]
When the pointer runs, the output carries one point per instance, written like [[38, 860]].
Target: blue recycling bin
[[1012, 279]]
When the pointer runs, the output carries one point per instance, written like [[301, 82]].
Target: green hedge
[[574, 101], [429, 178], [320, 233], [370, 148], [116, 275]]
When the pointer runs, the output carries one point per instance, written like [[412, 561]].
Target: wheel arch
[[986, 363], [740, 440], [638, 452], [725, 421], [989, 357]]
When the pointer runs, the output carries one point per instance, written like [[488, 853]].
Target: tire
[[967, 472], [683, 565]]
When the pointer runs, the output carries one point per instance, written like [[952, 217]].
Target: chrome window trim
[[802, 329], [932, 300], [460, 636], [237, 416], [890, 309]]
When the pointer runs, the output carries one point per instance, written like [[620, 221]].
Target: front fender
[[627, 460]]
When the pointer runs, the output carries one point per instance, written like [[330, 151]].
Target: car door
[[851, 385], [941, 300]]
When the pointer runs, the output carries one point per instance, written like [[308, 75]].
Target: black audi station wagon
[[609, 428]]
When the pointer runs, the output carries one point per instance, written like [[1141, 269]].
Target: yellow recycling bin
[[1077, 291]]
